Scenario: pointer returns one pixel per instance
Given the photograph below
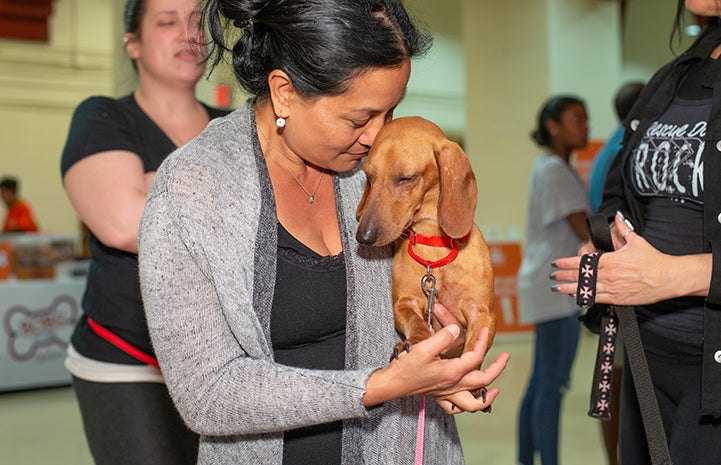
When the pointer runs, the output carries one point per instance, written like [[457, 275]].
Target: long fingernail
[[483, 394], [554, 264], [487, 409], [556, 288], [620, 215], [552, 276]]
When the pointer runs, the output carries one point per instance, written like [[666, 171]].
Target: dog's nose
[[365, 236]]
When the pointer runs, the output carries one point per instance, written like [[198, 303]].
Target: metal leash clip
[[428, 284]]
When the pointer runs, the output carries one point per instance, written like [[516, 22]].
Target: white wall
[[437, 86], [491, 66], [584, 51], [518, 53]]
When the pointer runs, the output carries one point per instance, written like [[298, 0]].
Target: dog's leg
[[478, 317], [410, 321]]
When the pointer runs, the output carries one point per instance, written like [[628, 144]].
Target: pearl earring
[[280, 122]]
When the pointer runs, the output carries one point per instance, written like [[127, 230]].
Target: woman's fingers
[[495, 369], [442, 340], [587, 247], [476, 394], [635, 273], [621, 231], [565, 275], [467, 401], [460, 373], [445, 318]]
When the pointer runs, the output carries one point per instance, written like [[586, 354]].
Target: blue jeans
[[555, 349]]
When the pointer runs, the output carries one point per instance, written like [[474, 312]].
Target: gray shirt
[[555, 192], [207, 257]]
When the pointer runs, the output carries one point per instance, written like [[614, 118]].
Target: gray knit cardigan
[[207, 258]]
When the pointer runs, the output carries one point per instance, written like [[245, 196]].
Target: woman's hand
[[450, 381], [586, 248], [442, 318], [636, 273]]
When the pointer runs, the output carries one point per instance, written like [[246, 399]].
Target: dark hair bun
[[320, 44]]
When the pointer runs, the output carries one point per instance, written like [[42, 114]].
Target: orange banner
[[506, 259]]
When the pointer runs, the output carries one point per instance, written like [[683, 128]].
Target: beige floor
[[43, 427]]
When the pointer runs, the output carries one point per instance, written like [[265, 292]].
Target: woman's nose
[[371, 131]]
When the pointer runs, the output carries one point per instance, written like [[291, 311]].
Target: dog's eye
[[402, 180]]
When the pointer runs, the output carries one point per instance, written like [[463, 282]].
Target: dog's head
[[414, 173]]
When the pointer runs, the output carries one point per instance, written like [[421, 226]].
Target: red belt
[[121, 344]]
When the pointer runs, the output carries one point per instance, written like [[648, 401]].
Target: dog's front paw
[[403, 346]]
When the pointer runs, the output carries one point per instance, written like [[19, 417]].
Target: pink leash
[[428, 284], [420, 431]]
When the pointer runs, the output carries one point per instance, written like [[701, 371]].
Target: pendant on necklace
[[311, 199]]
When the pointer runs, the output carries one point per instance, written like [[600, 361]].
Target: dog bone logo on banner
[[29, 330]]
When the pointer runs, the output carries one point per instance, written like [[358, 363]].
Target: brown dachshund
[[421, 194]]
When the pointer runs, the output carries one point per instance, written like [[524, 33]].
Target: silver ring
[[626, 233]]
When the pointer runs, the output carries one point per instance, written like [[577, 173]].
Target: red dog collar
[[434, 241]]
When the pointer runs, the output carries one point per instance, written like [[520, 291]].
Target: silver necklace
[[311, 196]]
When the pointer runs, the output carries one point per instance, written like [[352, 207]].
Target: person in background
[[272, 325], [556, 224], [625, 97], [19, 216], [112, 151], [666, 262]]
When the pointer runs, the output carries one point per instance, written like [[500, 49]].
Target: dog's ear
[[458, 190]]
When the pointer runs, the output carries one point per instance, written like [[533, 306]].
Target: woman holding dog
[[112, 151], [556, 224], [666, 261], [272, 325]]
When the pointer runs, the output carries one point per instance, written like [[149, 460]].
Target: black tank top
[[307, 326]]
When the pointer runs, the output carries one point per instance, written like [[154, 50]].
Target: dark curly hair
[[320, 44]]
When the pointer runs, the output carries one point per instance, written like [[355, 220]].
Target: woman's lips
[[187, 55]]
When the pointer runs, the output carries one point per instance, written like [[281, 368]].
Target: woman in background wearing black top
[[110, 157], [665, 181]]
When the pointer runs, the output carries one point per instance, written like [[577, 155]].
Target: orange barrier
[[506, 259]]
